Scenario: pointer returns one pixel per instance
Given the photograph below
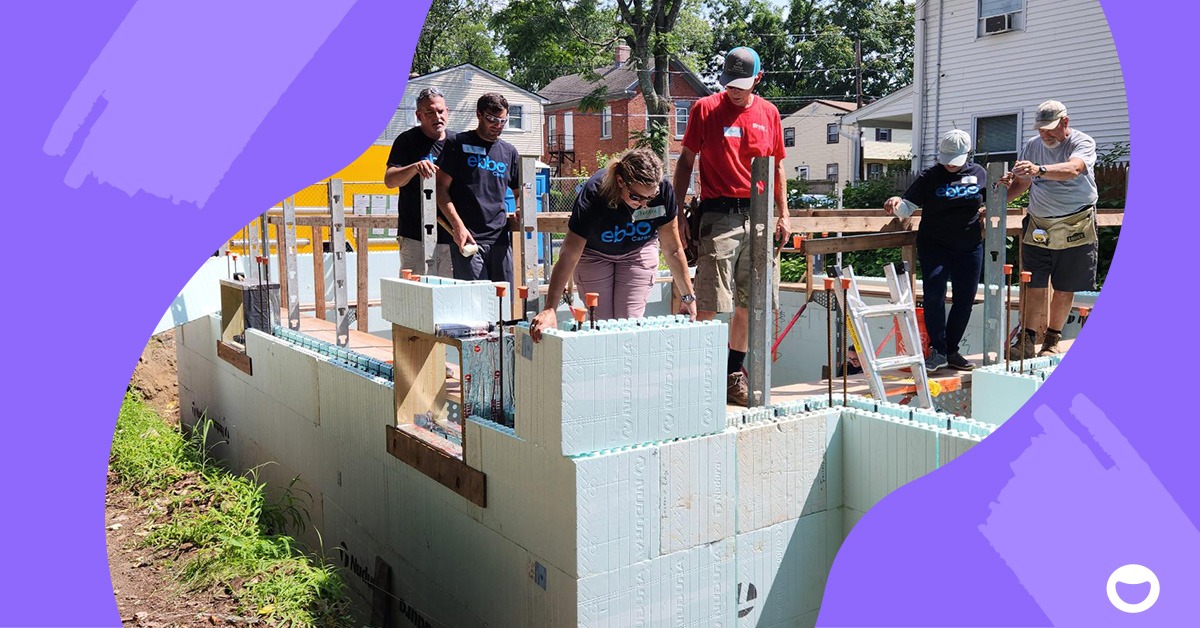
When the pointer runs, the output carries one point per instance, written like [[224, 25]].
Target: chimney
[[621, 55]]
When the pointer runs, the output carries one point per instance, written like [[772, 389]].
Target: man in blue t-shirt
[[412, 159], [475, 171]]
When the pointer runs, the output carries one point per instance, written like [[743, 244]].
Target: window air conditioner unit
[[998, 24]]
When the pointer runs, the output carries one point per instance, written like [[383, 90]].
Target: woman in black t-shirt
[[949, 243], [619, 218]]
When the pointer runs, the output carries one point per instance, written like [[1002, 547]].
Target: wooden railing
[[862, 229]]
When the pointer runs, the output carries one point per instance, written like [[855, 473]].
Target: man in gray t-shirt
[[1059, 244]]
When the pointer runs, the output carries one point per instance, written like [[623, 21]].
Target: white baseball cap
[[954, 147]]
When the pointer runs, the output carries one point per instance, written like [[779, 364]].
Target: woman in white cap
[[950, 195]]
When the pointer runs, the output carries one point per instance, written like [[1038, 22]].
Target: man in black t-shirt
[[475, 171], [949, 243], [412, 159]]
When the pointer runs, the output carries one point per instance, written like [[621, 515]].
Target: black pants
[[493, 262], [961, 269]]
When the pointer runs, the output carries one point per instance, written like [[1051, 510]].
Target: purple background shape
[[92, 267], [919, 558], [107, 265]]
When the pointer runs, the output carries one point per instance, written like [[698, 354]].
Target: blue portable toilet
[[542, 187]]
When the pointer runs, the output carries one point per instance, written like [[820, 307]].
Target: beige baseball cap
[[1049, 114]]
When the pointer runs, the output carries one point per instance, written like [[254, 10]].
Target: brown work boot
[[1050, 345], [1024, 348], [737, 392]]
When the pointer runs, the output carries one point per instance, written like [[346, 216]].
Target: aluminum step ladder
[[902, 312]]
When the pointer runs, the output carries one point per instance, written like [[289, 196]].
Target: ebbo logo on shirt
[[497, 168]]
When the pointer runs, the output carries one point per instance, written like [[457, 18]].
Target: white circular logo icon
[[1132, 574]]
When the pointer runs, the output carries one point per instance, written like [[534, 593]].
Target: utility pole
[[858, 71]]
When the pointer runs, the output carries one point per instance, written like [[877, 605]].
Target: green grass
[[237, 535]]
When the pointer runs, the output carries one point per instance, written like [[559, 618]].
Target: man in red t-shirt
[[730, 129]]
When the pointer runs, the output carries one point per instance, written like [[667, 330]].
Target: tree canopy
[[807, 47]]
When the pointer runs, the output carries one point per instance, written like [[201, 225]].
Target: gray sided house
[[984, 65], [463, 85]]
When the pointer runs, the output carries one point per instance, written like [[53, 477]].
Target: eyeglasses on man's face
[[494, 120]]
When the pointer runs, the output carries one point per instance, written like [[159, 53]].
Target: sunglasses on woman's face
[[637, 198]]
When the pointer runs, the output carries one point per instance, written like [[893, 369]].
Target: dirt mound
[[156, 376]]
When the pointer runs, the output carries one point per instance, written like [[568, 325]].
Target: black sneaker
[[959, 363], [935, 362]]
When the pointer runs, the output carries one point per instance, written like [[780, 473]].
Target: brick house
[[574, 137]]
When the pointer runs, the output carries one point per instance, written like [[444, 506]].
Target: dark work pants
[[493, 262], [960, 269]]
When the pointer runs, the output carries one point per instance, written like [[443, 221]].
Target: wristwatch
[[1041, 171], [687, 298]]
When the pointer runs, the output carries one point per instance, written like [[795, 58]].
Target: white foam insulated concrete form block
[[285, 374], [997, 393], [693, 587], [421, 304], [586, 391], [782, 569], [783, 469]]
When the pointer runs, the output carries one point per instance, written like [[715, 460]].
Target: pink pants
[[623, 281]]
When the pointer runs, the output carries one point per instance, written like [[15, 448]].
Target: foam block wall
[[586, 391], [710, 526]]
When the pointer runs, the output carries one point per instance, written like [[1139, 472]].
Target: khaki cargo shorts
[[723, 270]]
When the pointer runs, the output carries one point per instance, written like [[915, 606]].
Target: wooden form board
[[419, 362], [236, 356]]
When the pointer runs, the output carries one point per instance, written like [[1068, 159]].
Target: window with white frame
[[874, 171], [831, 133], [516, 117], [789, 136], [1000, 16], [883, 135], [551, 130], [681, 118], [831, 172], [606, 122], [997, 138], [802, 173]]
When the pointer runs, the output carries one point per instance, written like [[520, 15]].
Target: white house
[[463, 85], [984, 65], [820, 146]]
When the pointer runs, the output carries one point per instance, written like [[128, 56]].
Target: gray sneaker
[[737, 391], [935, 362]]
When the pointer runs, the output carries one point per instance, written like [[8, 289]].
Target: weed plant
[[233, 537]]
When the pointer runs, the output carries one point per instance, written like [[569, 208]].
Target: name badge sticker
[[474, 150], [649, 213], [733, 131]]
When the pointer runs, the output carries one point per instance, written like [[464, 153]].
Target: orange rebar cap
[[1008, 268], [1084, 311], [406, 273], [828, 283], [592, 299], [845, 283], [523, 292], [797, 240], [579, 314], [1026, 276], [415, 277], [501, 289]]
